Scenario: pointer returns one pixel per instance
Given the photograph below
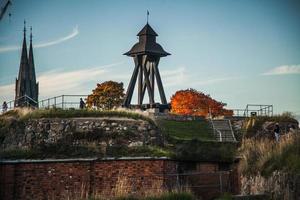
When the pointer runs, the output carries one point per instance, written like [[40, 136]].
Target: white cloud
[[73, 34], [212, 80], [174, 77], [284, 69], [54, 83]]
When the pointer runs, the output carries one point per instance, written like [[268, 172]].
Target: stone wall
[[103, 131]]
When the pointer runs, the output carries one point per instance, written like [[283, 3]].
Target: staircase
[[223, 130]]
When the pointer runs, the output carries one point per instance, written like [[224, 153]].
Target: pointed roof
[[24, 57], [147, 44], [23, 70], [31, 60], [147, 30]]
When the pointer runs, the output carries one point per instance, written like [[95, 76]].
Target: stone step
[[224, 127]]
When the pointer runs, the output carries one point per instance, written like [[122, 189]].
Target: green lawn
[[187, 130]]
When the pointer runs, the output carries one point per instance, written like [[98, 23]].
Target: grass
[[58, 151], [187, 130], [65, 150], [165, 196], [196, 150], [264, 156], [153, 151], [25, 114]]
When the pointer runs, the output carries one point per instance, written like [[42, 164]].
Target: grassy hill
[[188, 140]]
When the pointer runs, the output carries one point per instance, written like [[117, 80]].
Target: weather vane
[[147, 16]]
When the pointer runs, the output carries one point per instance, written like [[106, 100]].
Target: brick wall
[[78, 179]]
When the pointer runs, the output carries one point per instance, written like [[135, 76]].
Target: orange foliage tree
[[106, 95], [193, 102]]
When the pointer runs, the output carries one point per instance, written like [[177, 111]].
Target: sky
[[240, 52]]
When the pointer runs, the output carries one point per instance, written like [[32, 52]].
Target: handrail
[[220, 134], [232, 133]]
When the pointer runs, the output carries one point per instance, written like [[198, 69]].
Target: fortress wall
[[80, 178], [77, 179]]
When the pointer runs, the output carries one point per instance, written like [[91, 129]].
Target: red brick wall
[[77, 179]]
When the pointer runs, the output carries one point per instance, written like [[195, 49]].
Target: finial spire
[[147, 16], [24, 27], [30, 33]]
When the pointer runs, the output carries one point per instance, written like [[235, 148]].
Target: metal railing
[[25, 101], [62, 101], [254, 110]]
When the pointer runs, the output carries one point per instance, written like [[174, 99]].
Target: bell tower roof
[[147, 30], [147, 44]]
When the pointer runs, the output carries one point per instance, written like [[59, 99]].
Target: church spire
[[30, 59], [24, 57], [33, 84], [26, 85]]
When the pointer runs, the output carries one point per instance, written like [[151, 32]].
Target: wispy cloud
[[174, 77], [284, 69], [213, 80], [73, 34], [53, 83], [181, 77], [82, 81]]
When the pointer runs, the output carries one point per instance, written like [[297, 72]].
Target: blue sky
[[238, 51]]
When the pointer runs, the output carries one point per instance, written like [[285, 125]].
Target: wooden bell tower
[[146, 55]]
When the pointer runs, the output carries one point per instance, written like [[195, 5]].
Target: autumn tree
[[193, 102], [106, 95]]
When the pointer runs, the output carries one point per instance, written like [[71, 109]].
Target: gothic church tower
[[26, 86]]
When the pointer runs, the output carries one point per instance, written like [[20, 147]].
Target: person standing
[[81, 104], [4, 107], [277, 132]]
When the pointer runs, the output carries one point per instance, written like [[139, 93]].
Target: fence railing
[[62, 101], [21, 101], [254, 110]]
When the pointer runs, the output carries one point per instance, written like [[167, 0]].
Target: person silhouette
[[277, 132], [4, 107], [81, 104]]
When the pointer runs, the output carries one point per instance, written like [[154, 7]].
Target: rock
[[152, 133], [47, 126], [135, 144], [61, 127], [142, 128], [114, 124], [67, 128]]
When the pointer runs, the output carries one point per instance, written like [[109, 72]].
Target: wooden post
[[159, 83]]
